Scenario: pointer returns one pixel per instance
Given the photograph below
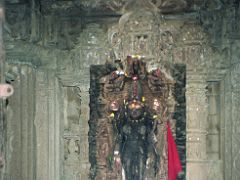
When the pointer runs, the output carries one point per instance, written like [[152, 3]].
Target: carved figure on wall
[[71, 149], [135, 110]]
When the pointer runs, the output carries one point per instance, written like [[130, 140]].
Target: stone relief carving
[[234, 15], [194, 153], [166, 44], [17, 21], [194, 56], [170, 6], [235, 120], [137, 32], [164, 6], [119, 6], [115, 43], [235, 80], [196, 146], [116, 5], [192, 34], [71, 149], [73, 110]]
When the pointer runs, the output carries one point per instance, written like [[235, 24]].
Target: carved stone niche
[[164, 6], [137, 32], [75, 128], [102, 137]]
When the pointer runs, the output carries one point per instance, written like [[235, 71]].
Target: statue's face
[[135, 67], [114, 106], [135, 110]]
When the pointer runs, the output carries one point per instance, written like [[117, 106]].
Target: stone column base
[[196, 170]]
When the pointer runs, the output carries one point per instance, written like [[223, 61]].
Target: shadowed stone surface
[[50, 46]]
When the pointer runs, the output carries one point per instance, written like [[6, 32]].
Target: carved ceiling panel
[[111, 6]]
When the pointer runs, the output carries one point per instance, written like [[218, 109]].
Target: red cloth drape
[[174, 165]]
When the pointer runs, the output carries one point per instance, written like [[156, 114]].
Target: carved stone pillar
[[84, 128], [227, 116], [47, 123], [230, 113], [20, 144], [75, 131], [196, 126], [235, 74]]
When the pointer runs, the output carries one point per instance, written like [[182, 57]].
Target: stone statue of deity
[[131, 103], [131, 138], [136, 119]]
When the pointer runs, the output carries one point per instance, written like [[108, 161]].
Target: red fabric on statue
[[174, 165]]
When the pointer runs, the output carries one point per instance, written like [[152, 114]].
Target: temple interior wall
[[49, 54]]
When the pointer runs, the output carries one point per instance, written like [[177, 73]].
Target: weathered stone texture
[[47, 123], [21, 131], [235, 74], [50, 46]]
